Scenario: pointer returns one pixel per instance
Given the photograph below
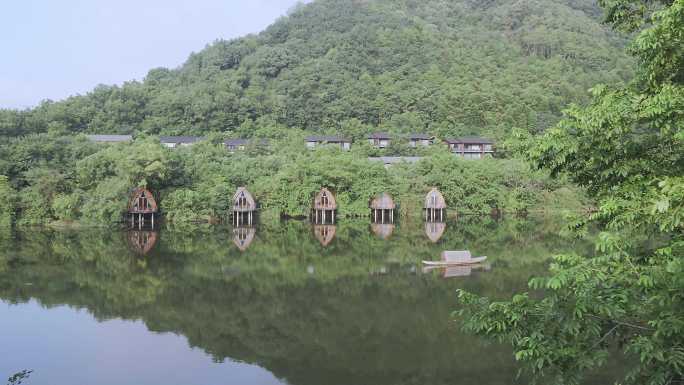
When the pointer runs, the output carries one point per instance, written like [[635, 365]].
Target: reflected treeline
[[344, 306]]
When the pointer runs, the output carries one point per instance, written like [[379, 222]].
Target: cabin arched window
[[142, 202], [241, 201], [324, 200], [433, 200]]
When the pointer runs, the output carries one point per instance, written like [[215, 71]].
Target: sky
[[54, 49]]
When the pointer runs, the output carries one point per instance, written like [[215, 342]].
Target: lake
[[281, 303]]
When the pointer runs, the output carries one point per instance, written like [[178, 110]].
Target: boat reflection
[[457, 270]]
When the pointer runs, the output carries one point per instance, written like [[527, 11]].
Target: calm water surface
[[284, 303]]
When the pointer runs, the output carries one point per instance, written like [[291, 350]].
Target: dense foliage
[[67, 179], [347, 67], [627, 149], [439, 66]]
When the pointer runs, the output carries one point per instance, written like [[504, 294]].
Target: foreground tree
[[627, 149]]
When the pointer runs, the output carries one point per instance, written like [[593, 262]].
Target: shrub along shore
[[49, 179]]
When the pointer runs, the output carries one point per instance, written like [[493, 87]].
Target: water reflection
[[456, 271], [354, 312], [142, 241], [243, 237], [382, 230], [324, 233], [435, 230]]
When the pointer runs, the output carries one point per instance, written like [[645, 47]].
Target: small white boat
[[451, 258]]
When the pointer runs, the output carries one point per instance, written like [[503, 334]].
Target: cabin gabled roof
[[328, 139], [134, 200], [419, 137], [180, 139], [383, 201], [236, 142], [435, 200], [319, 204], [469, 140], [380, 135], [250, 202]]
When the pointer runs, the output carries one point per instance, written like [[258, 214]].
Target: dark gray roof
[[236, 142], [329, 139], [420, 136], [469, 140], [110, 138], [379, 135], [180, 139]]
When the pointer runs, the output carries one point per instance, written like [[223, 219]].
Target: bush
[[7, 202]]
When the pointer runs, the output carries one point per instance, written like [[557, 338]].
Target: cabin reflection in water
[[435, 230], [324, 233], [456, 271], [141, 242], [382, 230], [243, 237]]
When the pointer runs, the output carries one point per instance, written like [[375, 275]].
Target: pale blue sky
[[52, 49]]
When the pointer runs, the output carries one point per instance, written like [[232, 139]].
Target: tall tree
[[627, 149]]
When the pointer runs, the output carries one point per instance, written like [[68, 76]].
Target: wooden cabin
[[142, 207], [382, 230], [471, 148], [243, 237], [179, 141], [315, 141], [233, 145], [142, 242], [420, 140], [324, 207], [236, 144], [382, 208], [380, 139], [435, 230], [244, 207], [435, 206], [325, 233]]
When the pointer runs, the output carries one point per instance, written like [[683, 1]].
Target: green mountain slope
[[447, 67]]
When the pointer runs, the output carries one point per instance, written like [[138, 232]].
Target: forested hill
[[446, 67]]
